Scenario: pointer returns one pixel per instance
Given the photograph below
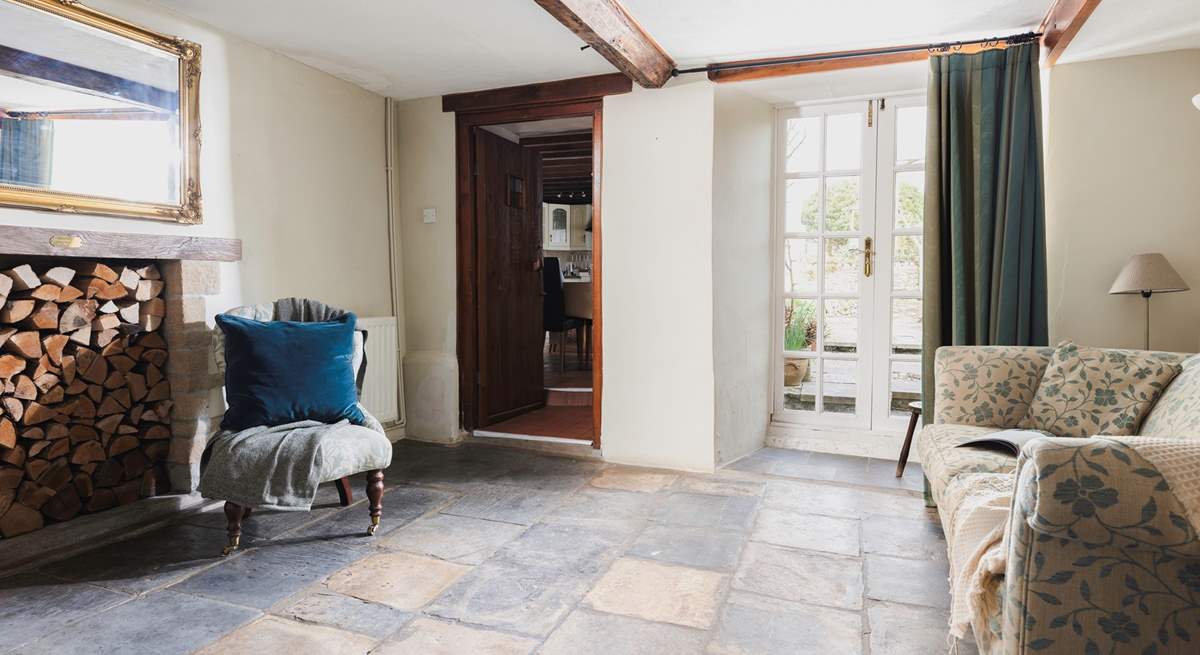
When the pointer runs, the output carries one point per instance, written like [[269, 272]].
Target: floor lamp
[[1148, 274]]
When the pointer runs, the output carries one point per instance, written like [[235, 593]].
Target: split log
[[60, 275], [106, 322], [82, 336], [8, 433], [16, 311], [129, 312], [122, 445], [6, 285], [54, 345], [89, 451], [68, 294], [48, 292], [24, 344], [10, 366], [25, 388], [96, 269], [36, 414], [13, 407], [10, 477], [44, 317], [64, 506], [77, 315], [19, 520], [128, 278], [23, 278], [101, 500], [147, 290]]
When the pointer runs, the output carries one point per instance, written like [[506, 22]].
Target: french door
[[849, 206]]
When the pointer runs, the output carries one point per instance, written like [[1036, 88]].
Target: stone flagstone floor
[[491, 550]]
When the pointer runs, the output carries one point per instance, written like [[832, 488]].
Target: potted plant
[[799, 333]]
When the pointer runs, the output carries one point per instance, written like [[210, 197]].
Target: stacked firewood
[[84, 401]]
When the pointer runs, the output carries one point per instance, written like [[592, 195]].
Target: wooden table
[[914, 409]]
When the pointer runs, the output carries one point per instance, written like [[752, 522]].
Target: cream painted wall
[[424, 170], [1123, 177], [292, 164], [657, 265], [741, 245]]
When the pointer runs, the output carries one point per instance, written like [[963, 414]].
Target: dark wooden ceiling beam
[[611, 31], [1062, 23], [545, 93], [565, 139]]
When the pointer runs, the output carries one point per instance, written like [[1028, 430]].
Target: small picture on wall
[[516, 192]]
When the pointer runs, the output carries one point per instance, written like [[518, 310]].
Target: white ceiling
[[416, 48], [410, 48], [702, 31], [1120, 28]]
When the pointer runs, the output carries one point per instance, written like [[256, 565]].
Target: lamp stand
[[1146, 295]]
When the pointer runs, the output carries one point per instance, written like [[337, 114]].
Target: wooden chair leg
[[562, 351], [375, 498], [345, 494], [234, 514], [579, 343]]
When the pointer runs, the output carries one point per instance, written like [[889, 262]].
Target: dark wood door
[[508, 251]]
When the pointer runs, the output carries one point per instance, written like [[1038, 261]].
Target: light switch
[[429, 215]]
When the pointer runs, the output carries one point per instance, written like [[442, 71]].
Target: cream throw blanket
[[978, 554]]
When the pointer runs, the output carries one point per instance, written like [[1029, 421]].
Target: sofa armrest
[[1100, 492], [988, 386], [1101, 558]]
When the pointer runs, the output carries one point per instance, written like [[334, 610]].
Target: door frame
[[521, 104], [784, 424]]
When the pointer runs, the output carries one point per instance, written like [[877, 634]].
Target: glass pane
[[803, 144], [910, 135], [842, 204], [843, 261], [843, 143], [803, 205], [906, 264], [906, 326], [801, 260], [910, 199], [841, 325], [839, 379], [904, 387], [799, 324], [800, 384]]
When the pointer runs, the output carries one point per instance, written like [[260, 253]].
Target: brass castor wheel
[[234, 542], [374, 526]]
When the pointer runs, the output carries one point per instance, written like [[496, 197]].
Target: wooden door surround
[[562, 99]]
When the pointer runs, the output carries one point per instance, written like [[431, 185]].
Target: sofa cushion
[[989, 386], [1088, 391], [1177, 412], [942, 461]]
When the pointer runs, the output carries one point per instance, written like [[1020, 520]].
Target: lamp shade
[[1148, 272]]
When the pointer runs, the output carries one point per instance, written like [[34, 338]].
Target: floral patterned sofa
[[1102, 555]]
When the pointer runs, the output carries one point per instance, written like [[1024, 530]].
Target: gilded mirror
[[97, 116]]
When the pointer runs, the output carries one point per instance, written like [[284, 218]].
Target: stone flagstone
[[808, 531], [430, 637], [400, 580], [275, 635], [336, 610], [629, 479], [460, 539], [595, 633], [801, 576], [658, 592], [757, 624]]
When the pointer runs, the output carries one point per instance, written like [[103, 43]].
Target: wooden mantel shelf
[[15, 240]]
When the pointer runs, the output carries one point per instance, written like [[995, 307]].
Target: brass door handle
[[869, 257]]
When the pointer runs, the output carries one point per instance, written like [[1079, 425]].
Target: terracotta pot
[[795, 372]]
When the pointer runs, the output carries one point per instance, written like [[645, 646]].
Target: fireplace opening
[[85, 400]]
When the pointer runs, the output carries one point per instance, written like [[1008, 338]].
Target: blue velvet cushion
[[283, 371]]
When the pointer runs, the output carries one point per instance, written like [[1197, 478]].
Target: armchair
[[279, 467]]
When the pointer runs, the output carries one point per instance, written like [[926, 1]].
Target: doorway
[[849, 210], [529, 368]]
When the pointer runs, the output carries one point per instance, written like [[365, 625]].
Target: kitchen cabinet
[[564, 227]]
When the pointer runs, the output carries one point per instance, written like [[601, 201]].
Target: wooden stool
[[914, 409]]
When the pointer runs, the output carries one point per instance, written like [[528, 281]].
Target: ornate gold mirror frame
[[188, 54]]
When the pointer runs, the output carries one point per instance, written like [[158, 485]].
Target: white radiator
[[381, 389]]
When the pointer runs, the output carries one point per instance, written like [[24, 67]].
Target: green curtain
[[985, 221], [26, 148]]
